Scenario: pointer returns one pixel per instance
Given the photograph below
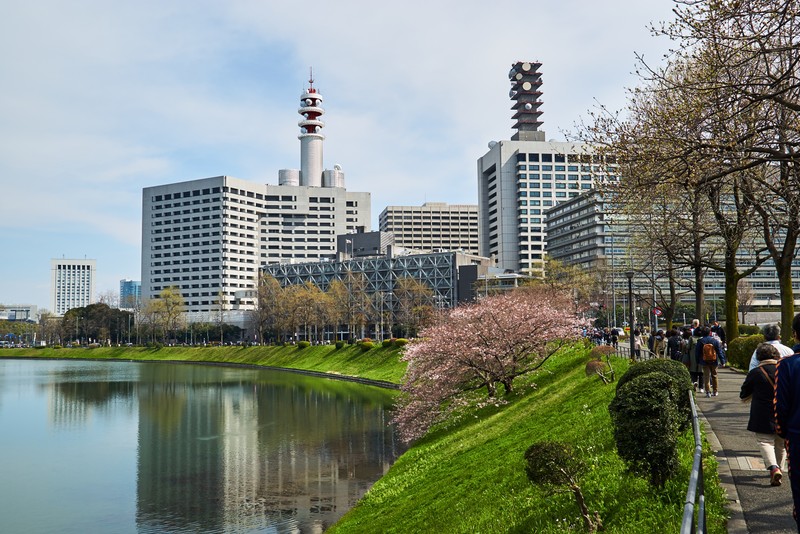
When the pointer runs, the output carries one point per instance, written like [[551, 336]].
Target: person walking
[[787, 412], [638, 342], [709, 354], [691, 361], [759, 389], [772, 335]]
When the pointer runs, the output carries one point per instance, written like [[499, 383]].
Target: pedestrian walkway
[[755, 505]]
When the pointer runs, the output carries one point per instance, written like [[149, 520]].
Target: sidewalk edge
[[736, 523]]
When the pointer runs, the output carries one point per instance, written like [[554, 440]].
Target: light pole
[[629, 275]]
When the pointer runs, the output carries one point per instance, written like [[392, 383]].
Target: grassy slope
[[471, 478], [381, 364]]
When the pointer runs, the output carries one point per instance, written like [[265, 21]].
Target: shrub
[[366, 345], [401, 341], [748, 329], [679, 390], [339, 344], [740, 350], [94, 345], [646, 423], [386, 343], [56, 347], [303, 344]]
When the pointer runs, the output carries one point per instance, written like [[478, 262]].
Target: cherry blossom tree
[[482, 345]]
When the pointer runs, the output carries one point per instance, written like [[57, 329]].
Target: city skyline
[[107, 100]]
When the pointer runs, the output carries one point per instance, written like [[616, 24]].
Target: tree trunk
[[588, 521], [731, 300]]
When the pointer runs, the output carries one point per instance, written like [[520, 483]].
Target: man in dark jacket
[[709, 367], [717, 329], [787, 411]]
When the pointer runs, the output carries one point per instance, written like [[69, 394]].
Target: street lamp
[[629, 275]]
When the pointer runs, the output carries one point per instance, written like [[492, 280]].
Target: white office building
[[71, 284], [208, 237], [519, 179], [433, 227]]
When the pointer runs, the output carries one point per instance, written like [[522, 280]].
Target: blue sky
[[100, 99]]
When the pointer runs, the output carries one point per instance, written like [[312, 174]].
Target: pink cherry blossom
[[480, 346]]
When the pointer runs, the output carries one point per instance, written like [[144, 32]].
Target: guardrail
[[695, 494]]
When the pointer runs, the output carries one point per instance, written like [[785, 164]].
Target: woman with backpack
[[758, 388]]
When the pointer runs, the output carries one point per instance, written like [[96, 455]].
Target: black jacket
[[762, 390]]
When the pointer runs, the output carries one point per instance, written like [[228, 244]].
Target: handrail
[[696, 491]]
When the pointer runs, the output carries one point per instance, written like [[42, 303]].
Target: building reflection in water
[[222, 449]]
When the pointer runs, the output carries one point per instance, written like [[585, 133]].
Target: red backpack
[[709, 353]]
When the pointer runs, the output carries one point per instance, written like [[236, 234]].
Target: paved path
[[755, 505]]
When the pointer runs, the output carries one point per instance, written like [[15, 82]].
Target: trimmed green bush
[[647, 422], [339, 344], [679, 391], [740, 350], [366, 345], [748, 329], [400, 341], [303, 344]]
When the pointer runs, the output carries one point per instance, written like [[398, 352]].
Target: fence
[[695, 497]]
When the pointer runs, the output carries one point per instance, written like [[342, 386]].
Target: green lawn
[[471, 478], [381, 364]]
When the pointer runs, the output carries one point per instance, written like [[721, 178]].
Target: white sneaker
[[708, 394], [716, 393]]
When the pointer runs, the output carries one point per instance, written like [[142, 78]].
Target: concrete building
[[434, 226], [130, 293], [519, 179], [19, 312], [209, 237], [71, 284]]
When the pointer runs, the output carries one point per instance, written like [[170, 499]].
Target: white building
[[71, 284], [519, 179], [209, 237], [434, 226]]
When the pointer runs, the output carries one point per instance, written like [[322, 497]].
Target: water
[[155, 447]]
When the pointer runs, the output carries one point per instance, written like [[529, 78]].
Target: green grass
[[380, 364], [470, 477]]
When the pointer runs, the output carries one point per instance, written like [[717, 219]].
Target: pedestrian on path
[[772, 335], [787, 412], [709, 358], [759, 389]]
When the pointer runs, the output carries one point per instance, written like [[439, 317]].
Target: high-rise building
[[71, 284], [130, 293], [519, 179], [434, 226], [209, 237]]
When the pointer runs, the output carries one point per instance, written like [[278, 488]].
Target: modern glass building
[[130, 294]]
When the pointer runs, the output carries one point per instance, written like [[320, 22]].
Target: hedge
[[741, 349], [680, 389]]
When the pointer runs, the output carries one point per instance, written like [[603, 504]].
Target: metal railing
[[695, 494]]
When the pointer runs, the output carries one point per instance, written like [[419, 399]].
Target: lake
[[158, 447]]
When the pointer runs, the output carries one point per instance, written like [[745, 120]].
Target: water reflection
[[224, 450]]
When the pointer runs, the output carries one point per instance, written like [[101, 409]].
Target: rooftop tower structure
[[526, 80]]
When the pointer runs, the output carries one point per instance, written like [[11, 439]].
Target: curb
[[736, 523]]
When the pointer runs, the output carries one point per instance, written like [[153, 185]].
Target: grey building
[[519, 179], [434, 226], [208, 237]]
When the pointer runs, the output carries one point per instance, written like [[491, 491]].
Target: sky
[[100, 99]]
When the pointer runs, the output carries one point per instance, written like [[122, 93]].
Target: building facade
[[434, 226], [71, 284], [519, 179], [209, 237], [130, 294], [452, 276]]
